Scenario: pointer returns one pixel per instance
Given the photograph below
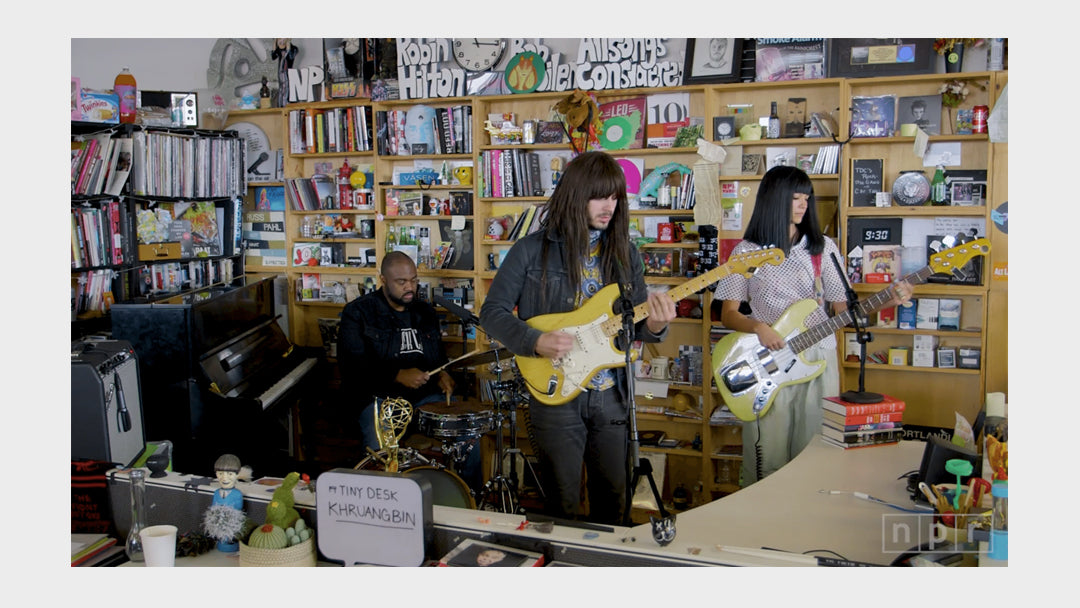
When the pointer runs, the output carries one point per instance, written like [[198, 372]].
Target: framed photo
[[866, 57], [712, 60], [921, 110]]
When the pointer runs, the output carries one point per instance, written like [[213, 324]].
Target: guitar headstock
[[747, 263], [955, 257]]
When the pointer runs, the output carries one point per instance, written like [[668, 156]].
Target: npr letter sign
[[372, 517]]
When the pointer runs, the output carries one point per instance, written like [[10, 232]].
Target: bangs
[[611, 182]]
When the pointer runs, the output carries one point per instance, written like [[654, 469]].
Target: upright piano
[[219, 375]]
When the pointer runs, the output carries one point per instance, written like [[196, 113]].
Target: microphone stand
[[863, 336], [663, 529]]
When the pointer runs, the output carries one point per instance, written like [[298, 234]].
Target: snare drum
[[459, 421], [447, 488]]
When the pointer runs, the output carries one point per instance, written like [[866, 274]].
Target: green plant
[[944, 45], [268, 536]]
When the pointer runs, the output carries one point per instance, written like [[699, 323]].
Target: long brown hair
[[588, 176]]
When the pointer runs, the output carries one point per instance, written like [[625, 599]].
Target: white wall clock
[[477, 54]]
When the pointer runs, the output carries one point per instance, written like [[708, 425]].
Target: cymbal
[[481, 358]]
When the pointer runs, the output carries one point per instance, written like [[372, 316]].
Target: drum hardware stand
[[500, 486], [663, 528]]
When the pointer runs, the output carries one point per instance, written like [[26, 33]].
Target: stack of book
[[855, 425], [88, 549]]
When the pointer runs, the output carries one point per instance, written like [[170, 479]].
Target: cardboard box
[[970, 358], [922, 358], [898, 356], [925, 342]]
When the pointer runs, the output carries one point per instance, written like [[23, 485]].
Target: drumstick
[[451, 362]]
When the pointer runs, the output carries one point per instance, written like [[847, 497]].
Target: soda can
[[978, 119]]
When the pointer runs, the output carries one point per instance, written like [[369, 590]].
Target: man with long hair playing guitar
[[583, 245]]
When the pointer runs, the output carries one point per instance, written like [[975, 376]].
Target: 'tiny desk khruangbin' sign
[[373, 517]]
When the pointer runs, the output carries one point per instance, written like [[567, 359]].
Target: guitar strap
[[819, 288]]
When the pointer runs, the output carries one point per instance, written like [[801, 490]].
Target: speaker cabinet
[[106, 402]]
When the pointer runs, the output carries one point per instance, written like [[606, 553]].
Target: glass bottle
[[774, 123], [124, 87], [937, 186], [133, 548], [391, 240]]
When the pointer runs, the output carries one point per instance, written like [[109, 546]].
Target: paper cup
[[908, 129], [159, 545]]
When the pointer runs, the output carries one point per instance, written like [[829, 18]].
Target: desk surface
[[789, 511], [786, 511]]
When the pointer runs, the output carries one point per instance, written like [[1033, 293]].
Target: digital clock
[[877, 235]]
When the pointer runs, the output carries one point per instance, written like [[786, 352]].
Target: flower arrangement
[[954, 92], [944, 45]]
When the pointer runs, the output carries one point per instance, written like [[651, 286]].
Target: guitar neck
[[871, 304], [641, 311]]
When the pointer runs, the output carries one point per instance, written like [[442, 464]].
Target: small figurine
[[264, 94], [285, 52], [556, 170], [225, 518], [281, 511]]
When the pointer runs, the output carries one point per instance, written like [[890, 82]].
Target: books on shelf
[[321, 130], [476, 553], [827, 159]]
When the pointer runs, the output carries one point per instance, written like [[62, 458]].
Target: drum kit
[[458, 427]]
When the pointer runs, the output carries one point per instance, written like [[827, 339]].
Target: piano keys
[[219, 375]]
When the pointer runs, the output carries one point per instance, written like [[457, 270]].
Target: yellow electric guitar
[[595, 327], [748, 374]]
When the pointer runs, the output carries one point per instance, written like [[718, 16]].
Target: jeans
[[591, 430]]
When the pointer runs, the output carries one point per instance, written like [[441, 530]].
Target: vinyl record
[[257, 153], [633, 176], [618, 133], [911, 188]]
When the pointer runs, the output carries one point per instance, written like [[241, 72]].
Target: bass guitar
[[595, 328], [748, 375]]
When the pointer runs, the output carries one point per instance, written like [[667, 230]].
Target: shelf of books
[[897, 222]]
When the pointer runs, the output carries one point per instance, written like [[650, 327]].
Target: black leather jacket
[[370, 350], [517, 284]]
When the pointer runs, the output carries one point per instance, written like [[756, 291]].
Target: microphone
[[459, 312]]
